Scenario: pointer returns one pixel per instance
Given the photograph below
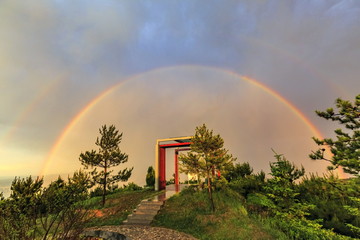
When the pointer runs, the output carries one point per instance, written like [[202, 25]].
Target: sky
[[253, 71]]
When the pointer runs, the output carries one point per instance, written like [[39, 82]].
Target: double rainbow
[[72, 123]]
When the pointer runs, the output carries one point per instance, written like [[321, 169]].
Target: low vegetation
[[189, 212], [118, 205], [63, 210], [249, 206]]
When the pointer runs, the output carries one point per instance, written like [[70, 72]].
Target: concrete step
[[141, 216], [157, 208], [145, 211], [151, 203], [137, 222]]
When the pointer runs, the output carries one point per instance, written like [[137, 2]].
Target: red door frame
[[162, 160]]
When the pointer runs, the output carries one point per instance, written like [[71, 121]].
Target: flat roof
[[175, 140]]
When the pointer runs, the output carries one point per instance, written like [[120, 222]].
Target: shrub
[[98, 191], [150, 177], [307, 230], [259, 203], [219, 184], [132, 187]]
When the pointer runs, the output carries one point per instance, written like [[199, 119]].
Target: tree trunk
[[210, 194], [104, 189]]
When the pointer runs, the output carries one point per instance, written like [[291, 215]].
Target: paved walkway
[[170, 190], [148, 208], [137, 224]]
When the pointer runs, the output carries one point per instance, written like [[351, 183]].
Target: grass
[[117, 206], [190, 212]]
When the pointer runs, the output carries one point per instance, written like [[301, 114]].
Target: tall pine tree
[[109, 155], [206, 152]]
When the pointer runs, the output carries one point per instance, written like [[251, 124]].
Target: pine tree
[[346, 149], [281, 188], [206, 152], [109, 155]]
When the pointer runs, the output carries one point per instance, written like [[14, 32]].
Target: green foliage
[[82, 178], [206, 152], [329, 194], [18, 212], [132, 187], [345, 149], [61, 206], [259, 203], [354, 211], [219, 184], [284, 170], [187, 212], [32, 212], [150, 177], [108, 155], [98, 191], [170, 182], [238, 171], [306, 230], [190, 181], [250, 184], [281, 190]]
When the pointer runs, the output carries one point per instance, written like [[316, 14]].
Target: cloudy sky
[[158, 69]]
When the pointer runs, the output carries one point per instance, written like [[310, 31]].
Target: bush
[[32, 212], [97, 192], [219, 184], [132, 187], [172, 181], [307, 230], [238, 171], [250, 184], [190, 182], [259, 203], [150, 177]]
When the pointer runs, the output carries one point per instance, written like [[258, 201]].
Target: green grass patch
[[190, 212], [117, 206]]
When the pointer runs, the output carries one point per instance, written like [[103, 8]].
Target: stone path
[[137, 225], [136, 232], [148, 208]]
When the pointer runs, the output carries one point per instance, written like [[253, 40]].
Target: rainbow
[[294, 110], [72, 123]]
